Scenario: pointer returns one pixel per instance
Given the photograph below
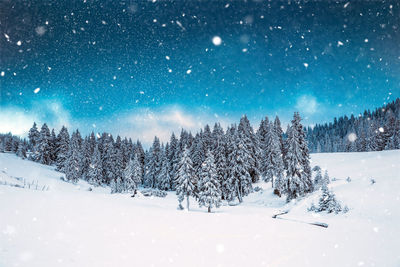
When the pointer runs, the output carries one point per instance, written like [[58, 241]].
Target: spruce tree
[[238, 183], [132, 175], [95, 172], [33, 140], [62, 149], [219, 150], [44, 152], [73, 164], [163, 178], [21, 150], [185, 179], [209, 187], [298, 165], [251, 145], [153, 165]]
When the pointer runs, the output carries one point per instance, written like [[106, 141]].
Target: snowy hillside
[[45, 221]]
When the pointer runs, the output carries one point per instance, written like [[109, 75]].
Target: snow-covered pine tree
[[44, 153], [262, 134], [172, 154], [318, 180], [219, 151], [153, 165], [298, 165], [95, 172], [117, 185], [135, 173], [325, 180], [73, 163], [33, 137], [328, 203], [238, 183], [185, 178], [132, 175], [209, 187], [109, 173], [279, 133], [1, 146], [197, 152], [118, 164], [273, 161], [86, 158], [21, 150], [163, 178], [53, 146], [251, 144], [62, 149]]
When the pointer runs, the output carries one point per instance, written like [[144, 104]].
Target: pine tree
[[238, 183], [153, 165], [299, 171], [132, 175], [171, 157], [86, 158], [73, 164], [33, 140], [21, 150], [325, 180], [318, 180], [62, 149], [273, 161], [95, 172], [163, 178], [44, 153], [185, 177], [109, 159], [209, 187], [53, 146], [251, 145], [219, 150]]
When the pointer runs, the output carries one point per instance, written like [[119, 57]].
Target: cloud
[[18, 120], [15, 120], [307, 104], [144, 124]]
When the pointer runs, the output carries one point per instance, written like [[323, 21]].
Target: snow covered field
[[54, 223]]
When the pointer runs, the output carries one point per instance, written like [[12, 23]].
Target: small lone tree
[[132, 175], [185, 178], [210, 192]]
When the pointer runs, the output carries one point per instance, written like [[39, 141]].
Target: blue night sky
[[145, 68]]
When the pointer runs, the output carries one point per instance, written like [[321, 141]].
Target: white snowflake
[[217, 40]]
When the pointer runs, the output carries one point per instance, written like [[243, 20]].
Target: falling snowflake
[[36, 90], [188, 71], [40, 30], [217, 40], [352, 137]]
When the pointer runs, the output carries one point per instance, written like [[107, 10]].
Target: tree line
[[370, 131], [212, 165]]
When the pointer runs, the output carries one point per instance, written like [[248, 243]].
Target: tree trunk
[[187, 202], [239, 194], [209, 209]]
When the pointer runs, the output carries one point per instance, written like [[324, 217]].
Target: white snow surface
[[67, 225]]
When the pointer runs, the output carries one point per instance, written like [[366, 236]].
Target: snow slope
[[67, 225]]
